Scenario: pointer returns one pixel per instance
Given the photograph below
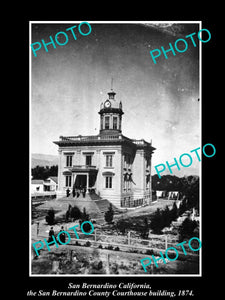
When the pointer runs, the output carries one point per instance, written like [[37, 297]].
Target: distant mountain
[[38, 159], [194, 169]]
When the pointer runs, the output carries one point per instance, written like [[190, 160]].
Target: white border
[[200, 176]]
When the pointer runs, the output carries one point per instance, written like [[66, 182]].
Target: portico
[[83, 177]]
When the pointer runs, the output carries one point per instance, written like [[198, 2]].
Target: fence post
[[165, 241], [71, 255], [37, 228], [107, 264], [152, 269], [128, 235]]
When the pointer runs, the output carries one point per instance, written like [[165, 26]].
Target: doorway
[[80, 182]]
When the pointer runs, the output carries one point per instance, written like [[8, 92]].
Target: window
[[69, 160], [88, 160], [127, 161], [106, 122], [114, 122], [68, 180], [109, 160], [108, 182]]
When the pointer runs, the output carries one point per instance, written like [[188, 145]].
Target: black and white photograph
[[116, 149]]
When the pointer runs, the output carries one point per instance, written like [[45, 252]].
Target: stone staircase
[[95, 206]]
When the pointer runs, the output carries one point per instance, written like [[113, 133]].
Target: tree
[[122, 225], [166, 217], [182, 207], [157, 222], [40, 172], [144, 232], [50, 218], [187, 228], [174, 212], [109, 214], [85, 217], [75, 213]]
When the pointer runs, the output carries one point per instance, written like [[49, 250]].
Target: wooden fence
[[125, 243]]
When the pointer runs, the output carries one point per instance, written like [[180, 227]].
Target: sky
[[160, 101]]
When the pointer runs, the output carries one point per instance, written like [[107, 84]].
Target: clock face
[[107, 103]]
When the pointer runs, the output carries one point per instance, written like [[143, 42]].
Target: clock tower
[[111, 115]]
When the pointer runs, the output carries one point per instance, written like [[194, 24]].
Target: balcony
[[83, 168], [82, 138]]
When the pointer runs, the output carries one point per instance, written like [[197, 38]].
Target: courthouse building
[[109, 164]]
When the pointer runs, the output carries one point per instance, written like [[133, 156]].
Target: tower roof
[[111, 103]]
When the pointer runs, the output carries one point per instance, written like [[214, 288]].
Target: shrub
[[109, 214], [67, 216], [110, 247], [75, 213], [122, 225], [149, 252], [100, 246], [157, 222], [117, 248], [50, 218], [88, 244], [187, 228]]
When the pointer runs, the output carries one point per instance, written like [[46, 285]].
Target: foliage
[[174, 212], [187, 228], [163, 218], [110, 247], [122, 225], [40, 172], [145, 230], [85, 217], [187, 186], [73, 213], [157, 222], [88, 244], [50, 218], [109, 214]]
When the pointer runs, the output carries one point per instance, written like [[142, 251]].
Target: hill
[[38, 159]]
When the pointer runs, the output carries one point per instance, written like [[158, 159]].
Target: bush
[[149, 252], [122, 225], [117, 249], [88, 244], [145, 229], [109, 214], [75, 213], [187, 228], [50, 218], [110, 247], [157, 223], [97, 265], [100, 246], [84, 216]]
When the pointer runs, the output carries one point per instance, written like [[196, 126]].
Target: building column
[[74, 176], [60, 191], [87, 183], [150, 180]]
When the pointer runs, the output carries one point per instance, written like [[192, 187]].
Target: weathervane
[[112, 84]]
